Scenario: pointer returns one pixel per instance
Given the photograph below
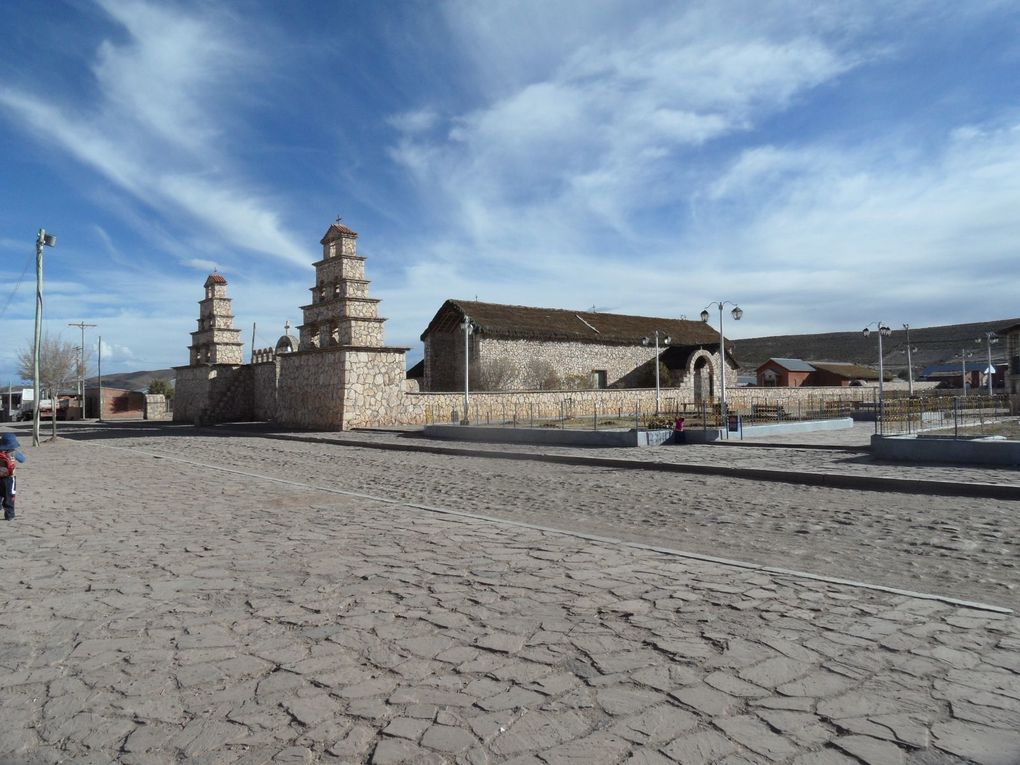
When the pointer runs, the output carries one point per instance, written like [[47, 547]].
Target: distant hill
[[932, 345], [132, 380]]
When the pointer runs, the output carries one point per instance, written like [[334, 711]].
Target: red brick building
[[795, 373]]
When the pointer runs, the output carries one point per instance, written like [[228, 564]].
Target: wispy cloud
[[160, 128], [628, 167]]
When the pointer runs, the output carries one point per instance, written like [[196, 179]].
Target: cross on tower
[[338, 218], [286, 327]]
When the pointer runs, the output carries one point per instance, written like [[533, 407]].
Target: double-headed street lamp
[[665, 341], [736, 313], [883, 331], [990, 337]]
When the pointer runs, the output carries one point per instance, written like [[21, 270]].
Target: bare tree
[[58, 361], [541, 375], [491, 374]]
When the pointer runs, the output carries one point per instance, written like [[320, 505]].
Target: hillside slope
[[931, 345], [132, 380]]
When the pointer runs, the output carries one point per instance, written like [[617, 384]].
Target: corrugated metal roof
[[793, 365], [951, 368]]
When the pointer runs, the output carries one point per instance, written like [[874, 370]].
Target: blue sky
[[825, 165]]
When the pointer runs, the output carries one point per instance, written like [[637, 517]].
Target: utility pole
[[81, 365], [42, 240]]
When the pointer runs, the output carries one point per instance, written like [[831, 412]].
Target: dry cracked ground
[[167, 601]]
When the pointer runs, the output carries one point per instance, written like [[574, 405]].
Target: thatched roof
[[516, 322], [846, 370]]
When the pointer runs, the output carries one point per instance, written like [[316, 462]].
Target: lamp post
[[883, 331], [990, 337], [81, 364], [665, 341], [468, 328], [42, 240], [736, 313], [910, 365]]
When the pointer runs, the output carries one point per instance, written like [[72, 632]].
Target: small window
[[598, 378]]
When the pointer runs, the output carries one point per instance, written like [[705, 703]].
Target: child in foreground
[[9, 457]]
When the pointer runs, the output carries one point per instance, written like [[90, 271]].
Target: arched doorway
[[704, 380]]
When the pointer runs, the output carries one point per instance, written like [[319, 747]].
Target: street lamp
[[736, 313], [990, 337], [665, 341], [883, 331], [42, 240], [468, 328], [910, 365]]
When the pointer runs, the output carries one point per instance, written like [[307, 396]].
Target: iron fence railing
[[956, 416], [583, 413]]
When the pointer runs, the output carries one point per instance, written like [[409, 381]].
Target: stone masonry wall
[[156, 406], [310, 392], [566, 358], [264, 381], [191, 392], [421, 408], [374, 388], [623, 364]]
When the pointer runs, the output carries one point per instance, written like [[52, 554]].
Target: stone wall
[[444, 361], [624, 365], [623, 404], [191, 392], [156, 407], [310, 392], [265, 377], [374, 388]]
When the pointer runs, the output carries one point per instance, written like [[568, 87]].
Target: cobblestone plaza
[[178, 595]]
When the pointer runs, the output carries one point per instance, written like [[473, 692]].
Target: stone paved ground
[[159, 612], [965, 547]]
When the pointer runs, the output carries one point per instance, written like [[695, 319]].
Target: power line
[[21, 278]]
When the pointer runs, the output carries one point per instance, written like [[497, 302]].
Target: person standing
[[679, 434], [9, 457]]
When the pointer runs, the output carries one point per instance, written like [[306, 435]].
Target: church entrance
[[704, 389]]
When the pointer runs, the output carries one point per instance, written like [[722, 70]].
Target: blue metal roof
[[953, 368], [794, 365]]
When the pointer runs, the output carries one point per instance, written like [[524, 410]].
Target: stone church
[[533, 347], [337, 374]]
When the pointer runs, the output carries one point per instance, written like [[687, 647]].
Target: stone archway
[[704, 379]]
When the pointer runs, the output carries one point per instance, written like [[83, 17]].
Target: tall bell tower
[[216, 341], [341, 312]]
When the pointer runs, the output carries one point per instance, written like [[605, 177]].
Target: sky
[[825, 165]]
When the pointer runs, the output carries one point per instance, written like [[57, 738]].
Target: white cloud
[[417, 121], [160, 126]]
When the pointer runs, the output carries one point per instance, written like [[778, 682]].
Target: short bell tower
[[215, 341]]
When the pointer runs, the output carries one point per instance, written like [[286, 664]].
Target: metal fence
[[583, 413], [956, 416]]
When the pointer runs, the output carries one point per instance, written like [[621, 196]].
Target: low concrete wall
[[938, 449], [549, 437], [806, 426], [699, 436]]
